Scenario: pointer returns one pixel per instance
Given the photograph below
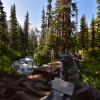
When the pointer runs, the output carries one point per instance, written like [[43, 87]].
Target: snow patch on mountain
[[31, 28]]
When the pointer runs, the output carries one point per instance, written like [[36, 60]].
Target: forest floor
[[32, 87], [21, 88]]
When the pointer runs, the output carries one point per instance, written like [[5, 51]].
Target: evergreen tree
[[78, 40], [57, 18], [3, 28], [20, 38], [49, 24], [84, 35], [48, 14], [13, 29], [26, 33], [65, 9], [32, 42], [43, 28], [49, 21], [93, 36], [98, 8], [98, 24]]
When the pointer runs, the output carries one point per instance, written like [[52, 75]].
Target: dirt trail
[[32, 87]]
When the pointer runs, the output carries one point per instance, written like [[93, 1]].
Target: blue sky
[[34, 7]]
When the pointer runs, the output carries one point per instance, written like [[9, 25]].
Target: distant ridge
[[31, 28]]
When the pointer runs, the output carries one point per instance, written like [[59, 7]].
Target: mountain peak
[[31, 28]]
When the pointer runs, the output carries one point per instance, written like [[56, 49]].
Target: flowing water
[[25, 65]]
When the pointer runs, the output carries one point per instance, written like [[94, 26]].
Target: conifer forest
[[61, 33]]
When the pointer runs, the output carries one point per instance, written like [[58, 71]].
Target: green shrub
[[41, 57], [5, 65], [6, 60], [91, 72]]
